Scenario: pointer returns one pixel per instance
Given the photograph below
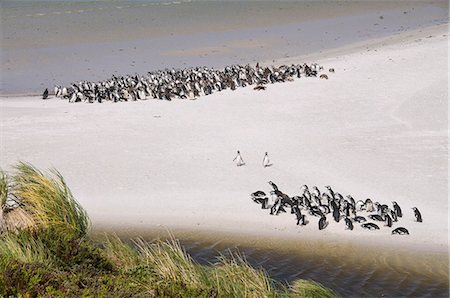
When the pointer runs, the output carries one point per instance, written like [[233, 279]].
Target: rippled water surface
[[350, 276]]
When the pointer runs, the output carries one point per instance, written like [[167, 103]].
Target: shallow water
[[44, 43], [348, 269], [378, 276]]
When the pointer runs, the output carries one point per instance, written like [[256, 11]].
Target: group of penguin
[[320, 204], [187, 83]]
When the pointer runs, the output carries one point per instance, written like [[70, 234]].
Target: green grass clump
[[4, 187], [311, 289], [49, 202], [234, 276], [45, 251]]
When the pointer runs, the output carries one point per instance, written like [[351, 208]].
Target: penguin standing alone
[[417, 214], [239, 160], [266, 162], [45, 95]]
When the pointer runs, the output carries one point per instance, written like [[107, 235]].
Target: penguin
[[266, 162], [351, 200], [376, 217], [314, 210], [359, 206], [417, 214], [260, 197], [299, 216], [280, 208], [45, 95], [258, 193], [349, 224], [359, 219], [400, 231], [388, 220], [302, 220], [322, 223], [370, 226], [336, 214], [274, 186], [393, 215], [331, 191], [263, 201], [56, 90], [397, 209], [239, 160], [369, 205], [273, 209], [316, 191]]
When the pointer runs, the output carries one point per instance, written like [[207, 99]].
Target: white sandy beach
[[378, 128]]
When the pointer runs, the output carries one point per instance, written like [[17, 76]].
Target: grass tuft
[[234, 277], [170, 262], [49, 202], [4, 188], [311, 289], [22, 247], [121, 255]]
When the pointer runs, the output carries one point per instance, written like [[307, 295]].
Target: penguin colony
[[188, 83], [319, 204]]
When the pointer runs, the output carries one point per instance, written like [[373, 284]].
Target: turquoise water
[[59, 42]]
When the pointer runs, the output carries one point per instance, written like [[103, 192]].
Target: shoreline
[[323, 55], [379, 256], [279, 229], [156, 37]]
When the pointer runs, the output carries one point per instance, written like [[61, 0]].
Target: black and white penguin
[[260, 197], [359, 206], [299, 216], [349, 224], [400, 231], [323, 223], [336, 214], [359, 219], [239, 160], [370, 226], [376, 217], [388, 220], [369, 205], [397, 209], [274, 186], [417, 214], [393, 215], [45, 95], [266, 162]]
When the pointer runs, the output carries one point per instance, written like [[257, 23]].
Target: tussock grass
[[311, 289], [233, 276], [121, 254], [20, 246], [46, 251], [4, 187], [170, 262], [49, 201]]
